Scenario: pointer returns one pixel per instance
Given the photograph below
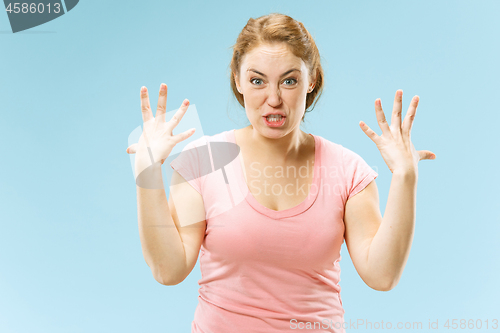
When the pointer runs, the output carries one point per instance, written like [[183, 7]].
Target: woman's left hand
[[395, 144]]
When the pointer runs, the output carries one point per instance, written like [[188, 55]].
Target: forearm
[[161, 243], [390, 247]]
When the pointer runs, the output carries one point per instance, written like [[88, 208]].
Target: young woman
[[270, 259]]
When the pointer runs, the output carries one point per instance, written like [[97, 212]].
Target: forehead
[[271, 56]]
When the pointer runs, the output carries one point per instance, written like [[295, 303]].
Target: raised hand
[[395, 143], [157, 140]]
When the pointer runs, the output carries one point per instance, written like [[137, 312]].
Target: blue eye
[[290, 79], [257, 80]]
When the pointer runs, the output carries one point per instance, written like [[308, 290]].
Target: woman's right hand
[[157, 133]]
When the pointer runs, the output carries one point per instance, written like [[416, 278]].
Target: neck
[[281, 149]]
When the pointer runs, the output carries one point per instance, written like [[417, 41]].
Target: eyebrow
[[264, 75]]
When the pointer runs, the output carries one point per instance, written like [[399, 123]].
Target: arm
[[170, 248], [390, 247], [379, 247], [161, 243]]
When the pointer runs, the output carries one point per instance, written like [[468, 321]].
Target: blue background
[[70, 254]]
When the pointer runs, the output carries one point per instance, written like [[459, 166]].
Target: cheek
[[295, 97], [255, 98]]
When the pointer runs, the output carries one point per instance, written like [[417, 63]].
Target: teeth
[[273, 118]]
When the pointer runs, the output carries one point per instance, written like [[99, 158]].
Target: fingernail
[[163, 87], [185, 102], [143, 89]]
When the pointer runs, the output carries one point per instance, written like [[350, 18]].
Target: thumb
[[132, 149], [426, 155]]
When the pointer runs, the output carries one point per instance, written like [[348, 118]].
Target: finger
[[410, 116], [174, 121], [396, 112], [161, 109], [145, 107], [426, 155], [132, 149], [382, 122], [368, 131], [184, 135]]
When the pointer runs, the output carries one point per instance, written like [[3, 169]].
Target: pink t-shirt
[[265, 270]]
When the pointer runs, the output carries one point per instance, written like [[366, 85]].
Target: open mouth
[[274, 120]]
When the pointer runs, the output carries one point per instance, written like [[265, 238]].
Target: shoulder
[[200, 141], [334, 153], [346, 154], [218, 137], [329, 149], [331, 146], [217, 148]]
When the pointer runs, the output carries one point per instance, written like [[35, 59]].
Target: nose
[[274, 97]]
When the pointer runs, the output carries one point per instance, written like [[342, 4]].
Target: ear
[[311, 87], [312, 84], [237, 83]]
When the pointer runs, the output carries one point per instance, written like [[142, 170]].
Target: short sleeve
[[358, 174], [193, 163]]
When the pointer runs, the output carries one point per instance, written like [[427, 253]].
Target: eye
[[290, 79], [252, 80]]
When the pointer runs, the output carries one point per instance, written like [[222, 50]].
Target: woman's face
[[273, 80]]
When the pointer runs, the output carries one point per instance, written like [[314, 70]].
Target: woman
[[270, 262]]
